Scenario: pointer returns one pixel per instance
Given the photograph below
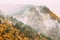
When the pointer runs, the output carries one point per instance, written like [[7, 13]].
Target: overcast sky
[[11, 5]]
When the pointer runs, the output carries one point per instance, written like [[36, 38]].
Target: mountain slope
[[41, 19]]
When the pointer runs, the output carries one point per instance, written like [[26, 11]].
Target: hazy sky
[[11, 5]]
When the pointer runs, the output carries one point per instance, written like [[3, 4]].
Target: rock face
[[41, 19]]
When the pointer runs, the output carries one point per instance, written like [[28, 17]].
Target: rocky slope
[[41, 19]]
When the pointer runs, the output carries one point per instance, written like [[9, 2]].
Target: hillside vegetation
[[18, 31]]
